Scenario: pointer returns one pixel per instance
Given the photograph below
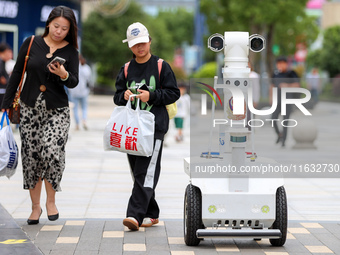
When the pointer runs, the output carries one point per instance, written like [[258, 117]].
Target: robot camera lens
[[216, 42], [257, 43]]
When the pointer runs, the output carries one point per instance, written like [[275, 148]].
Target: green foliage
[[180, 24], [103, 35], [304, 30], [102, 40], [104, 76], [314, 58], [326, 57], [282, 22], [161, 44], [330, 51], [208, 70]]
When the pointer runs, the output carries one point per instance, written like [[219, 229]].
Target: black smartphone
[[144, 87], [60, 60]]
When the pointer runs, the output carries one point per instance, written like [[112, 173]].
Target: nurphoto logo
[[238, 100]]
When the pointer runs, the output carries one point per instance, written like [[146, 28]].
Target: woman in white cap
[[160, 89]]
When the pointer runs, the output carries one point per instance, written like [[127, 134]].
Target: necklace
[[50, 55]]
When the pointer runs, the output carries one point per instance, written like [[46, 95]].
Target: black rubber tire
[[281, 219], [192, 215]]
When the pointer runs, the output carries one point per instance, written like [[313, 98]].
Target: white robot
[[234, 205]]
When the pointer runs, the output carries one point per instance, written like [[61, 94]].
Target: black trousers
[[145, 171], [276, 114]]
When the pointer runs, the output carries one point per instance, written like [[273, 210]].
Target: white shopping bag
[[9, 154], [130, 131]]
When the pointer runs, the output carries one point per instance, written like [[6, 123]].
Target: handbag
[[14, 111], [172, 110], [9, 153], [130, 131]]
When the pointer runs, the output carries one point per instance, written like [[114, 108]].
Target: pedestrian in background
[[161, 90], [283, 77], [45, 114], [4, 76], [183, 109], [10, 62], [314, 84], [79, 94]]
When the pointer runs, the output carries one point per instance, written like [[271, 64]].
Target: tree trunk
[[270, 56]]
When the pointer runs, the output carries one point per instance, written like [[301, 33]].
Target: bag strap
[[4, 114], [24, 69], [126, 66], [159, 65], [2, 120], [128, 105]]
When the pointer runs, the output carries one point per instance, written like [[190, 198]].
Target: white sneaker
[[148, 222], [131, 223]]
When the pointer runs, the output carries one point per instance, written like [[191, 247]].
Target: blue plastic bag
[[9, 154]]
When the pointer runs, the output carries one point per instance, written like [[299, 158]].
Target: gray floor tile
[[331, 241], [111, 244], [294, 245], [134, 237], [69, 231]]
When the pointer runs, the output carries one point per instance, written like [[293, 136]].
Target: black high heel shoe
[[53, 217], [34, 222]]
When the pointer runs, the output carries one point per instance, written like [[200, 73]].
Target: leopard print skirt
[[44, 134]]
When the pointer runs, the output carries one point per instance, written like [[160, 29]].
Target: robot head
[[236, 47], [218, 42]]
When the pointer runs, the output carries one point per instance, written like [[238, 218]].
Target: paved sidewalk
[[109, 236], [96, 187], [13, 239]]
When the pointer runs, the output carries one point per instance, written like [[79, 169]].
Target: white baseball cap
[[136, 33]]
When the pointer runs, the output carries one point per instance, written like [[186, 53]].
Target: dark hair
[[182, 84], [4, 46], [82, 60], [67, 13], [281, 59]]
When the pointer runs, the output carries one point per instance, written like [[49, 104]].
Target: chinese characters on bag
[[130, 140]]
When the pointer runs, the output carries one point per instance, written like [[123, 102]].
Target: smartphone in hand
[[143, 87], [60, 60]]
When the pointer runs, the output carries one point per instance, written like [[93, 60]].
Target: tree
[[328, 56], [180, 24], [282, 22], [103, 35], [102, 40]]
